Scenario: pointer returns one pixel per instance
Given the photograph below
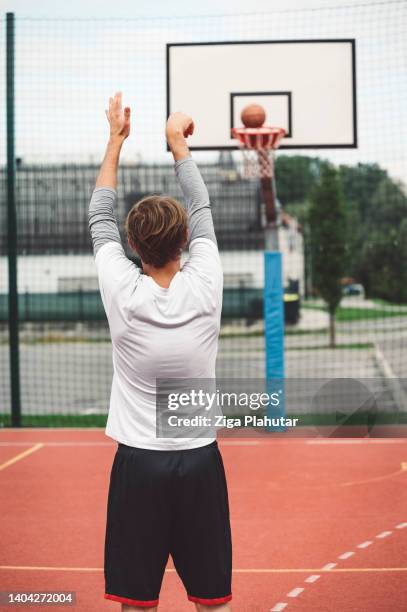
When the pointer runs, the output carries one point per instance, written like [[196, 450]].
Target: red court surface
[[318, 524]]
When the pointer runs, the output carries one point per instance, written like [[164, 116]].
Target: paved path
[[76, 377]]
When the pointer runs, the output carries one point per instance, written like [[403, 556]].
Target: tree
[[381, 263], [327, 220], [359, 184], [296, 175], [375, 208]]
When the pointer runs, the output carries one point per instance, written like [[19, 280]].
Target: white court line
[[113, 444], [383, 534], [365, 544], [358, 441], [239, 443], [312, 578], [295, 592], [21, 430], [20, 456], [28, 443], [221, 441], [338, 570], [329, 566], [346, 555]]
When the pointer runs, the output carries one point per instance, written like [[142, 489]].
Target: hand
[[118, 118], [179, 123]]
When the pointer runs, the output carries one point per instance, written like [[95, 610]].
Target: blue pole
[[274, 333]]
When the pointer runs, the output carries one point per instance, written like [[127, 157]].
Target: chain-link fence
[[64, 72]]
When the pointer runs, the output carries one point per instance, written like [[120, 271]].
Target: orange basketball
[[253, 116]]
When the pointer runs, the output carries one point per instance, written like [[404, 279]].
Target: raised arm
[[102, 221], [179, 127]]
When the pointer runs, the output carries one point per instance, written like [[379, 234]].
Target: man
[[167, 496]]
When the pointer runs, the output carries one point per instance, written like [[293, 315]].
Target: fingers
[[115, 103], [118, 100], [189, 129], [179, 120], [127, 113]]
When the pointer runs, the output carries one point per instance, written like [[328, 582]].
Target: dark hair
[[157, 229]]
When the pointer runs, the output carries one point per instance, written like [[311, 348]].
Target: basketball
[[253, 116]]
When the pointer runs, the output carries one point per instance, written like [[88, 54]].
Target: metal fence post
[[12, 228]]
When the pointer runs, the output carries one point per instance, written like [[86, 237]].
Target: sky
[[70, 56], [157, 8]]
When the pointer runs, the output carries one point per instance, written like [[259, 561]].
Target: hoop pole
[[274, 333], [264, 141]]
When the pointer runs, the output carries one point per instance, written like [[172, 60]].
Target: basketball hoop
[[258, 146]]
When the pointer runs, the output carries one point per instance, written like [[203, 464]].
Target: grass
[[346, 314], [357, 346], [358, 314], [288, 332], [389, 304], [304, 332], [61, 340], [57, 420], [242, 334], [354, 346]]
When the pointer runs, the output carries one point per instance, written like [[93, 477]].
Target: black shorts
[[165, 503]]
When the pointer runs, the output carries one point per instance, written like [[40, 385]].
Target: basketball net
[[258, 146]]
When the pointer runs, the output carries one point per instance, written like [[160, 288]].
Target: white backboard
[[308, 87]]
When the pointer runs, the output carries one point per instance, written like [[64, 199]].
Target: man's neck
[[163, 276]]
